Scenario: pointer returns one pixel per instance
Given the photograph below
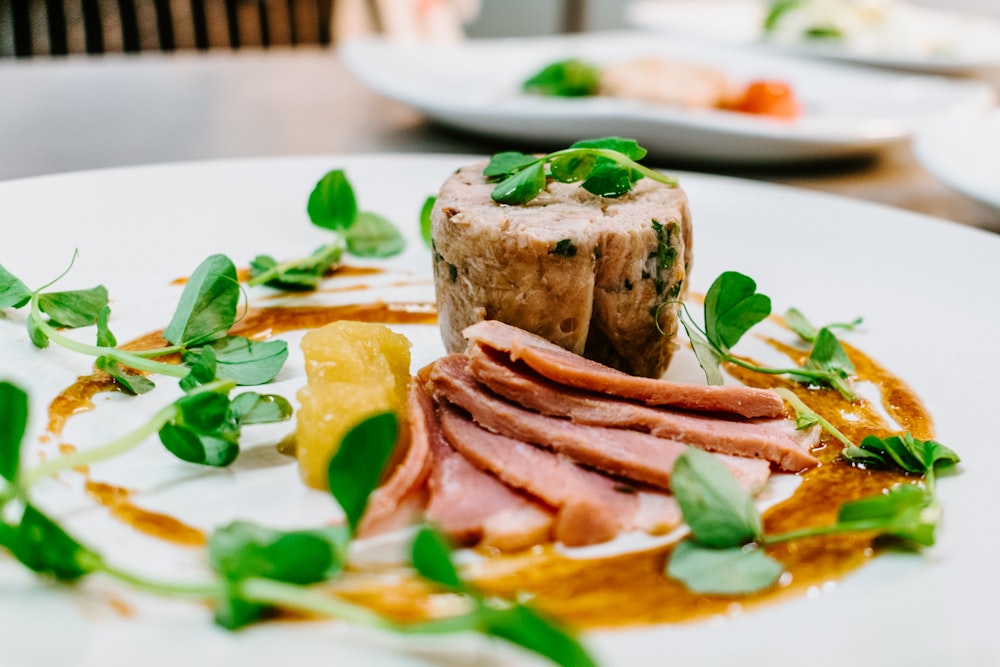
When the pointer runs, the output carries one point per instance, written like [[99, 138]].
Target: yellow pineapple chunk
[[353, 370]]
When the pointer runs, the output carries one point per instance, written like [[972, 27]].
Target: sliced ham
[[628, 454], [473, 507], [774, 440], [386, 509], [592, 508], [572, 370]]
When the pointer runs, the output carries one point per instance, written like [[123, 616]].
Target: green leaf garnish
[[733, 307], [919, 457], [332, 204], [736, 570], [356, 467], [431, 557], [777, 10], [132, 383], [425, 220], [373, 235], [906, 512], [237, 358], [13, 422], [13, 293], [718, 510], [565, 78], [527, 628], [77, 308], [42, 546], [607, 167], [207, 307]]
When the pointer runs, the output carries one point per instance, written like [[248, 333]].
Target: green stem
[[820, 377], [115, 447], [213, 590], [818, 531], [803, 409], [620, 159], [127, 358], [291, 596]]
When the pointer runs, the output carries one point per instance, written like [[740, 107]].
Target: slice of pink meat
[[473, 507], [572, 370], [632, 455], [592, 508], [775, 440]]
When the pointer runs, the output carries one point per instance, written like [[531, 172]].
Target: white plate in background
[[475, 86], [975, 39], [964, 156], [923, 286]]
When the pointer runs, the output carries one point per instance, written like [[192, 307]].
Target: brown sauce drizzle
[[163, 527]]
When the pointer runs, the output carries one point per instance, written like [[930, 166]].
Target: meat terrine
[[600, 277]]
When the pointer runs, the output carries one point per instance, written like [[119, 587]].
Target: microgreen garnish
[[725, 554], [356, 467], [732, 307], [206, 310], [778, 9], [425, 220], [332, 206], [607, 167], [797, 322], [564, 78]]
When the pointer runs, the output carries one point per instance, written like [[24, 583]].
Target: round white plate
[[964, 156], [974, 41], [475, 86], [924, 286]]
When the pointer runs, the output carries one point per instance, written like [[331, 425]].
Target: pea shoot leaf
[[733, 307], [13, 293], [104, 336], [300, 275], [778, 9], [718, 510], [707, 355], [905, 452], [13, 422], [829, 355], [527, 628], [193, 446], [906, 512], [332, 204], [573, 167], [356, 467], [630, 148], [565, 78], [735, 570], [252, 408], [425, 220], [607, 179], [133, 383], [522, 186], [42, 546], [73, 309], [373, 235], [431, 557], [207, 307], [237, 358], [507, 163], [242, 550]]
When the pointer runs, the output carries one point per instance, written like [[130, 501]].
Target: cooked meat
[[775, 440], [627, 454], [600, 277], [592, 508], [575, 371], [671, 82], [473, 507], [409, 475]]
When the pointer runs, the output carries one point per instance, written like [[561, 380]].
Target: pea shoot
[[607, 167], [332, 206], [726, 551], [733, 307]]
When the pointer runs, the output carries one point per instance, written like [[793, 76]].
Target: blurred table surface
[[68, 114]]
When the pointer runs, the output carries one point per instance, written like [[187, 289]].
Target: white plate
[[475, 86], [923, 285], [975, 39], [964, 156]]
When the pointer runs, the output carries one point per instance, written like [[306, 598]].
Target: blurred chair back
[[59, 27]]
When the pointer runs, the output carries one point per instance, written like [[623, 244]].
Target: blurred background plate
[[964, 156], [475, 86], [973, 41]]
